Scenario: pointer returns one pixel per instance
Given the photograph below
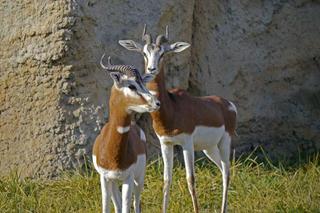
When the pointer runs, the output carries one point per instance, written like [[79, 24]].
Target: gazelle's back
[[210, 111]]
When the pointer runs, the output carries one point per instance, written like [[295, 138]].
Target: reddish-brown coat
[[113, 150], [181, 112]]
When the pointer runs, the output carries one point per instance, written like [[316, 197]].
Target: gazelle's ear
[[116, 77], [131, 45], [178, 47], [147, 78]]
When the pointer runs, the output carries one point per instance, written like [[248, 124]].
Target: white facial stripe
[[129, 93], [153, 92], [124, 77], [147, 96], [146, 51], [141, 91], [139, 108], [122, 130], [153, 57]]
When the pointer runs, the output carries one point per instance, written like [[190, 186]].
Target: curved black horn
[[144, 30], [124, 69], [146, 37], [163, 38], [167, 33], [109, 67]]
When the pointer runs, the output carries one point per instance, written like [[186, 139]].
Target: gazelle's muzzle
[[152, 67], [153, 102], [156, 104]]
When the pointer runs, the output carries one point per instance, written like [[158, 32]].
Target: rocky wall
[[263, 55], [33, 38]]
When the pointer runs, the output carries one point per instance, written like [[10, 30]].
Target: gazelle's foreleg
[[116, 197], [106, 194], [139, 182], [167, 156], [127, 187], [188, 155], [224, 147]]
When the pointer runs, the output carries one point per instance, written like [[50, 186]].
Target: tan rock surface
[[262, 55], [265, 56]]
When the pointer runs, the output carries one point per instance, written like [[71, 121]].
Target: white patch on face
[[124, 77], [232, 107], [147, 97], [139, 108], [153, 58], [124, 129], [129, 93], [137, 93], [153, 92]]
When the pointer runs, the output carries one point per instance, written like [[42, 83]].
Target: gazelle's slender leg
[[127, 187], [214, 155], [137, 188], [167, 155], [105, 189], [224, 147], [188, 155], [116, 197], [138, 183]]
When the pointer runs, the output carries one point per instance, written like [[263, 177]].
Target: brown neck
[[118, 115], [114, 142], [158, 85]]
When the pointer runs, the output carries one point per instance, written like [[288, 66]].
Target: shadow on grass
[[259, 157]]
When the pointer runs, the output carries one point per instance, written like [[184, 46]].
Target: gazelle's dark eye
[[132, 87]]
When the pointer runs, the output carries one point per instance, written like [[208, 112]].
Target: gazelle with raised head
[[195, 123], [119, 152]]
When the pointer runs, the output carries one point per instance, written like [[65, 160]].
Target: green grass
[[255, 187]]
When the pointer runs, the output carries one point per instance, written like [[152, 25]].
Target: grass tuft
[[256, 186]]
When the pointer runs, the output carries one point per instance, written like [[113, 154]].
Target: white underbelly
[[121, 174], [206, 137], [203, 137]]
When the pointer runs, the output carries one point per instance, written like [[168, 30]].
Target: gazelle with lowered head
[[119, 152], [195, 123]]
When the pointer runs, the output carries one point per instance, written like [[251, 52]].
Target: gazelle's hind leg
[[137, 189], [224, 148], [214, 155], [188, 154]]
